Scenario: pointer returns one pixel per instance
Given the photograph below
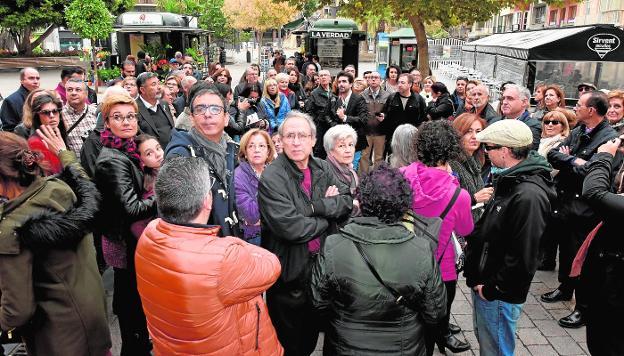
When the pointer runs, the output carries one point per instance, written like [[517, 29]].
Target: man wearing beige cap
[[502, 253]]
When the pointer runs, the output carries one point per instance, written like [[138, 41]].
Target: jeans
[[356, 160], [495, 325]]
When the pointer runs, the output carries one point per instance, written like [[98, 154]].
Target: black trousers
[[129, 310], [436, 333], [296, 322], [572, 232]]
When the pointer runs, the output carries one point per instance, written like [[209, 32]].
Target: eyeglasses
[[212, 109], [50, 112], [130, 117], [580, 89], [491, 148], [301, 136], [260, 147], [552, 122]]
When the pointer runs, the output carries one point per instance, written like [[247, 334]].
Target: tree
[[209, 12], [90, 19], [259, 15], [23, 17], [420, 13]]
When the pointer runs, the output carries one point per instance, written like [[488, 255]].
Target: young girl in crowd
[[152, 157]]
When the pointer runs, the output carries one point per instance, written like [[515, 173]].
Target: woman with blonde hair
[[615, 114], [256, 152], [25, 127], [555, 129], [274, 104]]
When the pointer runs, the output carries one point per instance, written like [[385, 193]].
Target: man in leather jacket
[[301, 201], [572, 217]]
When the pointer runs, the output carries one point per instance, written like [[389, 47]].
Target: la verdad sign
[[324, 34]]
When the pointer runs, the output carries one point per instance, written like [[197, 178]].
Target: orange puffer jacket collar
[[202, 294]]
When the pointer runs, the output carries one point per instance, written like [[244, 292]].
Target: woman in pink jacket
[[434, 185]]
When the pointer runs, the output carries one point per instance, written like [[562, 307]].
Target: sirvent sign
[[603, 43], [329, 34]]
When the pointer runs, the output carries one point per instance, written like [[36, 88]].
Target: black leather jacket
[[120, 182]]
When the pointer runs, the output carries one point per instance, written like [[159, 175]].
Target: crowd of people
[[248, 219]]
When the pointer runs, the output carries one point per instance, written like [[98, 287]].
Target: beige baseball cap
[[507, 133]]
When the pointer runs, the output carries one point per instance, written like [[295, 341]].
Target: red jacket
[[202, 294]]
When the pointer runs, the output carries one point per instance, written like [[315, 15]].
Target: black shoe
[[452, 343], [555, 296], [546, 266], [574, 320], [454, 329]]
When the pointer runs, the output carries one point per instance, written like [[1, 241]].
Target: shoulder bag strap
[[78, 121], [398, 297], [443, 215]]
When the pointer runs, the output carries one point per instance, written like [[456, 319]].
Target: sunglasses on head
[[553, 122]]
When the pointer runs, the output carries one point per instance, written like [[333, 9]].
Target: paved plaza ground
[[538, 333]]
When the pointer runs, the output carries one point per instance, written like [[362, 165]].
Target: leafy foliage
[[209, 12], [260, 15], [89, 19]]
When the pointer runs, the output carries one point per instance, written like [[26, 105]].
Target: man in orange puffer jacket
[[202, 294]]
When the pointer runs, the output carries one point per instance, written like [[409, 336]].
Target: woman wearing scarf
[[119, 177], [274, 104], [282, 84], [339, 142]]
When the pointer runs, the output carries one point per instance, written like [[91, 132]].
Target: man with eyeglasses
[[502, 256], [319, 105], [573, 218], [154, 116], [207, 139], [514, 106], [301, 202], [12, 105], [78, 117], [375, 97], [251, 77]]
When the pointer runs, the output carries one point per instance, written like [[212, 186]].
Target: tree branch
[[43, 36]]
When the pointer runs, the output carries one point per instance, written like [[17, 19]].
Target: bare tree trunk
[[95, 73], [423, 45]]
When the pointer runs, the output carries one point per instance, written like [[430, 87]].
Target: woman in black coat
[[365, 317], [441, 107], [602, 275], [119, 177]]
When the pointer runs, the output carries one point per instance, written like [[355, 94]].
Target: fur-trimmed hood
[[55, 230]]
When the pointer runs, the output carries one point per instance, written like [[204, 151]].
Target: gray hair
[[523, 93], [282, 76], [336, 133], [188, 81], [182, 186], [298, 114], [76, 80], [403, 150]]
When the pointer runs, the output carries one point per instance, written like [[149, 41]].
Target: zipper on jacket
[[257, 325], [483, 259]]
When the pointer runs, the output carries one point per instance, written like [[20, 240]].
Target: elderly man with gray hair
[[301, 202], [480, 96], [515, 105], [184, 268]]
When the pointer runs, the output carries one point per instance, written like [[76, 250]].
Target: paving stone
[[579, 335], [524, 321], [559, 313], [565, 345], [542, 350], [461, 307], [320, 341], [536, 312], [521, 350], [583, 345], [464, 322], [557, 305], [531, 299], [472, 339], [550, 328], [531, 336]]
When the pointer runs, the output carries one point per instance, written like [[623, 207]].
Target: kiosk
[[563, 56], [336, 42], [171, 31], [403, 48]]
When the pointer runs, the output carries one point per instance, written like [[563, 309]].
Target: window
[[572, 14], [552, 21], [562, 16], [540, 15]]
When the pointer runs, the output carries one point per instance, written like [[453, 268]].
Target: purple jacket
[[246, 186], [432, 190]]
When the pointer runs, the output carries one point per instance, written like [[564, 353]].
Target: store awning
[[404, 32], [584, 43], [293, 24]]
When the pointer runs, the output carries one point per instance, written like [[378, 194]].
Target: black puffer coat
[[364, 317], [441, 108]]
